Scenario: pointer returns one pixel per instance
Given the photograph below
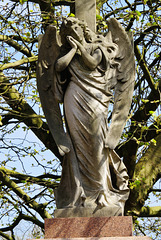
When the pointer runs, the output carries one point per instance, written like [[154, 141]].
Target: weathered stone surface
[[103, 238], [84, 9], [81, 72], [88, 227], [88, 212]]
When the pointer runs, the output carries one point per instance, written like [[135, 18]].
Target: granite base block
[[86, 227], [88, 212], [103, 238]]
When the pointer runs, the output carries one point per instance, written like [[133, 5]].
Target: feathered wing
[[49, 91], [124, 87]]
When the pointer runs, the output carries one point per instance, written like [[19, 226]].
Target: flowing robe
[[90, 169]]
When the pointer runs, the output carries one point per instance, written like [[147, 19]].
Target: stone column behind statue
[[86, 11]]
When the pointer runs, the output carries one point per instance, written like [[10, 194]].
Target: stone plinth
[[88, 212], [104, 238], [85, 227]]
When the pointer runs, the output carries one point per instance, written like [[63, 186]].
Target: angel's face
[[77, 32]]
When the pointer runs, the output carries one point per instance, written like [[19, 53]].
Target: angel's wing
[[47, 83], [125, 82]]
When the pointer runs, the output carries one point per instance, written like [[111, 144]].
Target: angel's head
[[75, 28], [72, 27]]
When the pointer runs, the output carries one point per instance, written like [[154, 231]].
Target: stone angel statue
[[82, 70]]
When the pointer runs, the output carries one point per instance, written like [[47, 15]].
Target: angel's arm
[[64, 61], [91, 61]]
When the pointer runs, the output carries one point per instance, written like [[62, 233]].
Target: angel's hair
[[66, 29]]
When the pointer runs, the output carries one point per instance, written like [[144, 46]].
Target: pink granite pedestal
[[103, 238], [87, 227], [90, 228]]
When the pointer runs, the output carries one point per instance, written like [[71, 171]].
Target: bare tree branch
[[6, 236], [28, 178], [22, 217], [144, 34], [18, 103], [15, 45], [146, 174], [39, 208], [150, 212], [144, 67], [18, 63]]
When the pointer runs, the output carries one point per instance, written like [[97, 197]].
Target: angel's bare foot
[[102, 200]]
